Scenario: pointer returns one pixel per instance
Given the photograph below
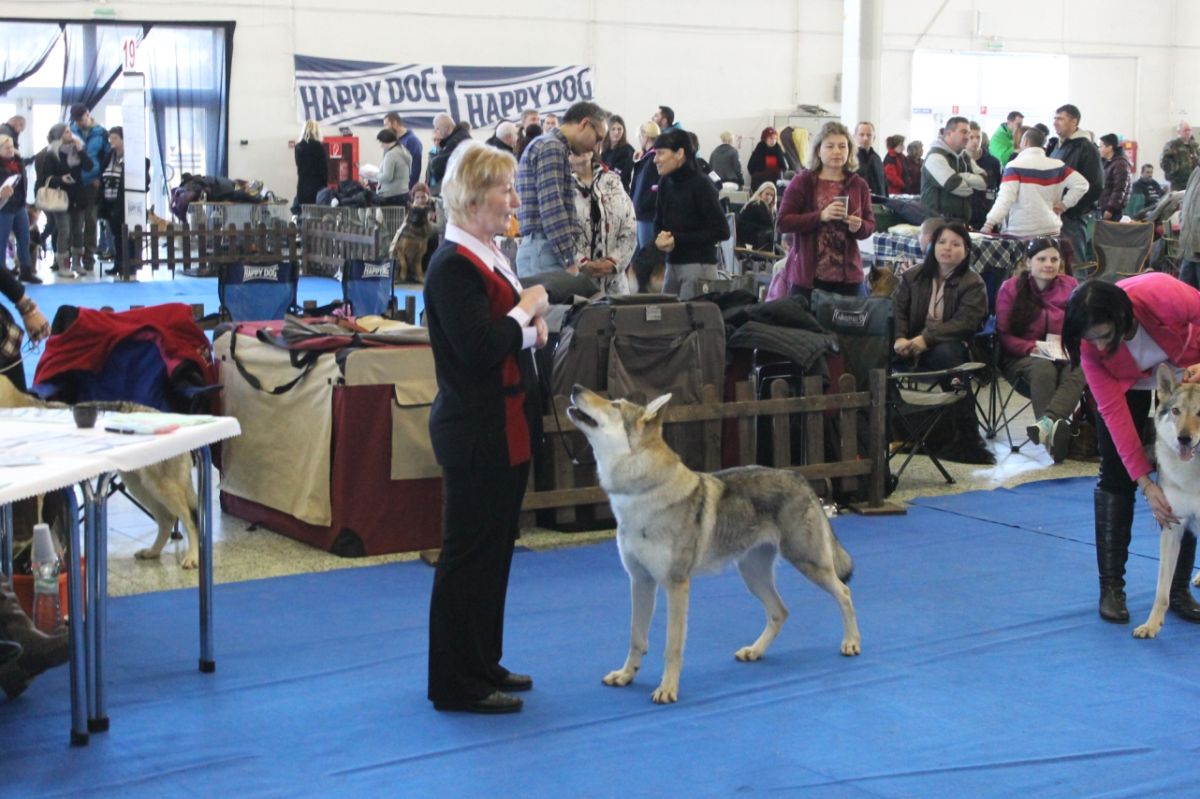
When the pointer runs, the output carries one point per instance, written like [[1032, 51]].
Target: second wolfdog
[[673, 523], [1177, 437]]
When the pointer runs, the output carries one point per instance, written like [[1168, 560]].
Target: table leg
[[204, 490], [98, 711], [75, 628], [89, 614]]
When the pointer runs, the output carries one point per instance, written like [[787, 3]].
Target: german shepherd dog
[[1177, 429], [165, 489], [673, 523], [409, 245]]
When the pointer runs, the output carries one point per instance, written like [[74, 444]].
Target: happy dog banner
[[336, 92]]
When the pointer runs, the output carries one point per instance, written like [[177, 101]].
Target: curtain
[[188, 71], [24, 47], [93, 62]]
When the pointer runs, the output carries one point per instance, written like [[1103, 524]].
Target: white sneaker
[[1053, 434]]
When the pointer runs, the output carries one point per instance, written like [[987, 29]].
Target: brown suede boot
[[38, 650]]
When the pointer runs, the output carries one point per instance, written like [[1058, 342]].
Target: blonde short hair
[[650, 130], [311, 131], [833, 129], [726, 137], [473, 169]]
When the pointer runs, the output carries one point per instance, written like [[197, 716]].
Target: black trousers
[[1114, 477], [466, 611]]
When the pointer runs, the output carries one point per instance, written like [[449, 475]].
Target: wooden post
[[747, 426], [711, 431], [781, 428], [848, 424], [814, 424]]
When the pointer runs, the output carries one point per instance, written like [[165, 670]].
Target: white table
[[90, 459]]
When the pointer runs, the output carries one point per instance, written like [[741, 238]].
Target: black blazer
[[467, 423]]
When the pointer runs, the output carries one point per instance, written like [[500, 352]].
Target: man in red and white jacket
[[1031, 199]]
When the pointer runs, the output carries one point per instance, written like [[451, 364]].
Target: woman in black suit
[[312, 166], [483, 328]]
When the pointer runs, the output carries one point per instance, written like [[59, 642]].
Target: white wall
[[1132, 64], [721, 65]]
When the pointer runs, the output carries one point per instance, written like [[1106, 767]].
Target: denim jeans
[[538, 263], [15, 222]]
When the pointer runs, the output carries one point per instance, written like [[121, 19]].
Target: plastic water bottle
[[45, 565]]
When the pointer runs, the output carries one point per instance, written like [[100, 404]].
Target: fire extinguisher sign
[[335, 149]]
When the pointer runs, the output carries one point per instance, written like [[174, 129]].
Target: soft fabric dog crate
[[335, 446], [642, 344]]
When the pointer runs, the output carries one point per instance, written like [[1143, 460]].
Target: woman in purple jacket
[[1029, 311], [1120, 333], [828, 208]]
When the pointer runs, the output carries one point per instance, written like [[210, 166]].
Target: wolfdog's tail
[[842, 562]]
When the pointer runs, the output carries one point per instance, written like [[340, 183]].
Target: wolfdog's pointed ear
[[654, 407], [1166, 381]]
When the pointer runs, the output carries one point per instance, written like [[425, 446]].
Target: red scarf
[[502, 298]]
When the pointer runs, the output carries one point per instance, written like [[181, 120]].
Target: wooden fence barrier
[[201, 251], [574, 484]]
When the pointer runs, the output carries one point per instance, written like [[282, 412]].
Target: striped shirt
[[546, 187]]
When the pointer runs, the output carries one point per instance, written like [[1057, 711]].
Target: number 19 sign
[[129, 55]]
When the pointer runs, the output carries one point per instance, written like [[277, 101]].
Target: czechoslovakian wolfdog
[[165, 489], [673, 523], [1177, 437]]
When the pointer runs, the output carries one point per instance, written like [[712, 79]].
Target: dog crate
[[330, 235], [222, 215]]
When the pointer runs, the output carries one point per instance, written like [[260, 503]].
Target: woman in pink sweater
[[1120, 333], [1029, 316]]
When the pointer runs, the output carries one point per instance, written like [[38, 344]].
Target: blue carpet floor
[[985, 673], [189, 290]]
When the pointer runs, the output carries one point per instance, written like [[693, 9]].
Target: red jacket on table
[[1169, 311], [799, 214], [1054, 307]]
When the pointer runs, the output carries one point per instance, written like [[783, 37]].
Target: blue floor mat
[[985, 672]]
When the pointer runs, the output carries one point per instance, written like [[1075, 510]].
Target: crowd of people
[[589, 197], [79, 183]]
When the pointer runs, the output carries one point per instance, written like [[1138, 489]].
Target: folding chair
[[1122, 250], [993, 404], [258, 292], [367, 287], [917, 401]]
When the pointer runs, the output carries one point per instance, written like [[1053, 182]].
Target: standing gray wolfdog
[[1177, 437], [673, 523]]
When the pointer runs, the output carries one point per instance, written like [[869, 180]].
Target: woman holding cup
[[828, 208]]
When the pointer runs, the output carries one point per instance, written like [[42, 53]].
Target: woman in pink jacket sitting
[[1029, 316], [1120, 333]]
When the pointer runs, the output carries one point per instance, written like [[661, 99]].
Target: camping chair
[[1122, 250], [917, 401], [993, 403], [258, 292], [367, 287], [156, 356]]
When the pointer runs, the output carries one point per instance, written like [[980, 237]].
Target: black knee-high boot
[[1114, 524], [1183, 604]]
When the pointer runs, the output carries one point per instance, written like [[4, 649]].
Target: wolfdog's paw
[[190, 561], [665, 694], [1146, 630], [619, 678], [851, 647], [146, 554], [748, 654]]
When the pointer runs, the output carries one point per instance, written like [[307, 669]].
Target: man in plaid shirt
[[547, 213]]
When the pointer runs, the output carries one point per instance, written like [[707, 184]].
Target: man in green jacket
[[1001, 144], [1179, 157]]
